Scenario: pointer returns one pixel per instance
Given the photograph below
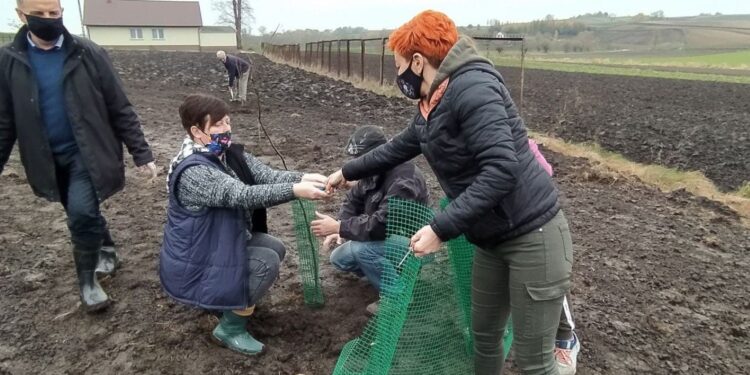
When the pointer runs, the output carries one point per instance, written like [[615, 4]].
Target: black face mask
[[47, 29], [409, 83]]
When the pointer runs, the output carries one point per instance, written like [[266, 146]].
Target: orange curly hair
[[430, 33]]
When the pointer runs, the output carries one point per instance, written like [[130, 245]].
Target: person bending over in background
[[237, 69]]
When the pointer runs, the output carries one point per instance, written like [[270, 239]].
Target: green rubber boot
[[231, 333]]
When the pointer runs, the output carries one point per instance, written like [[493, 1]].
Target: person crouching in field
[[215, 254], [363, 215]]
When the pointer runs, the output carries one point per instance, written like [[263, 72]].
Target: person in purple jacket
[[238, 69]]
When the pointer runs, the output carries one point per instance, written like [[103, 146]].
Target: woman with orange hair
[[470, 132]]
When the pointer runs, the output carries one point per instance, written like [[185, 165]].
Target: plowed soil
[[661, 281]]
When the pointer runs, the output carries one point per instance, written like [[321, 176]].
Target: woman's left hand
[[425, 242], [314, 177]]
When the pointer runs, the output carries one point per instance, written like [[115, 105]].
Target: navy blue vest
[[203, 259]]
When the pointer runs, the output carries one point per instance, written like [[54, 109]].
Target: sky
[[389, 14]]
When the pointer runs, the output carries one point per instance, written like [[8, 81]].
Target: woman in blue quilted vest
[[216, 253]]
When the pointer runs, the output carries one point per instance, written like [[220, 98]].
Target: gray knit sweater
[[201, 186]]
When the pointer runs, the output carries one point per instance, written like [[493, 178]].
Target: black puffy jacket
[[476, 144], [100, 114]]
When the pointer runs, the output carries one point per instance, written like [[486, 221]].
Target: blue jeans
[[363, 258], [264, 256], [78, 197]]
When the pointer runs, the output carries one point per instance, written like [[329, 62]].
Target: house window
[[136, 33], [157, 34]]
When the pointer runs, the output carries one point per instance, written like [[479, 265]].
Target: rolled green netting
[[421, 326], [307, 251], [461, 254]]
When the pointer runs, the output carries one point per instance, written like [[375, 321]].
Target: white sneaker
[[566, 355]]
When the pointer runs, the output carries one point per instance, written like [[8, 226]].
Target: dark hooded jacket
[[476, 143]]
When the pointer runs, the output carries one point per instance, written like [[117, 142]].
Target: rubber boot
[[232, 334], [108, 261], [93, 297]]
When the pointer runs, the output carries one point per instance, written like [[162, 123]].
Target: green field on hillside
[[592, 68]]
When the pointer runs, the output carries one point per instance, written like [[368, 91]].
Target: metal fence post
[[338, 58], [330, 55], [382, 60], [362, 55], [348, 59]]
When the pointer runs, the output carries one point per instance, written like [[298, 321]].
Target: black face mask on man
[[47, 29], [409, 82]]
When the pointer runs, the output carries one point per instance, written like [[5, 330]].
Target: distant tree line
[[548, 25]]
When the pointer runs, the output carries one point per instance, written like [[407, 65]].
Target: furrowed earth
[[661, 283]]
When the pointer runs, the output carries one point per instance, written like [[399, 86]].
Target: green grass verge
[[744, 191], [737, 59], [621, 71]]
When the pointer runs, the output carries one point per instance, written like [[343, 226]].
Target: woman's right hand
[[335, 181], [310, 190]]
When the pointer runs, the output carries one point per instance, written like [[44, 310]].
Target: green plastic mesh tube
[[307, 251], [461, 253], [423, 325]]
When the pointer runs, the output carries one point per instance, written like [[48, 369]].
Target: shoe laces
[[563, 356]]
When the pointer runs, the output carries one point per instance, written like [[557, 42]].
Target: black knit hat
[[365, 139]]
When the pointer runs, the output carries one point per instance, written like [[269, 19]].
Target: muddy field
[[661, 280], [689, 125]]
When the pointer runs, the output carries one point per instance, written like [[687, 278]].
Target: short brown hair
[[197, 109]]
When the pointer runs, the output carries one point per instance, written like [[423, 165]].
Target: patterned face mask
[[220, 142], [409, 82]]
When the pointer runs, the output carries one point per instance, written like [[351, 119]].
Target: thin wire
[[283, 162]]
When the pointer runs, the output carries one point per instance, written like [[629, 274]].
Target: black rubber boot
[[108, 261], [93, 297]]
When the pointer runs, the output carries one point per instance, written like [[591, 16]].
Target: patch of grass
[[621, 71], [737, 59], [666, 179], [744, 191]]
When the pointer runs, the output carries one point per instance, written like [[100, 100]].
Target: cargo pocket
[[567, 241], [542, 308]]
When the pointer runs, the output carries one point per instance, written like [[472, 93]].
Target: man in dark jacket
[[362, 218], [62, 100], [237, 69]]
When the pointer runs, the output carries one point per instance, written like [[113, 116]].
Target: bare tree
[[237, 13]]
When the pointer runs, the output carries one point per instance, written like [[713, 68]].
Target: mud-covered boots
[[93, 297], [108, 261], [231, 333]]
